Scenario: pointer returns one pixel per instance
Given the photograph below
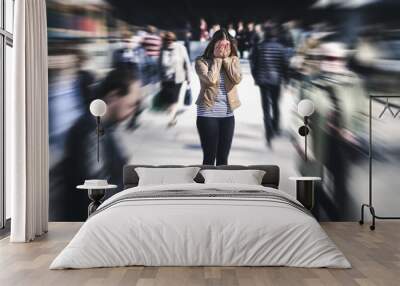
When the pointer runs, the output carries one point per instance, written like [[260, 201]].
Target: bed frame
[[270, 179]]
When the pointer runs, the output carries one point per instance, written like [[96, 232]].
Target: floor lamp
[[98, 109]]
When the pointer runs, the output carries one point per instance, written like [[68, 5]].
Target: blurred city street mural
[[335, 55]]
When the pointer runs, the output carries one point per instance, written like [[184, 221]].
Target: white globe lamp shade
[[98, 108], [305, 108]]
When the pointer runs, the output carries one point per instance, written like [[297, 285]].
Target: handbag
[[188, 96]]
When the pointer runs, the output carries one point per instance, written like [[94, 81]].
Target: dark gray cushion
[[270, 179]]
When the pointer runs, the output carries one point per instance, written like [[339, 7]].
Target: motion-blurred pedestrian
[[203, 33], [188, 37], [231, 30], [213, 29], [240, 38], [269, 69], [152, 43], [249, 37], [121, 91], [175, 69], [86, 79]]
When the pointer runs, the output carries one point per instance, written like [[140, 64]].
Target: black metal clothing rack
[[370, 204]]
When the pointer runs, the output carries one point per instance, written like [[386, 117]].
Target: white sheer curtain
[[27, 124]]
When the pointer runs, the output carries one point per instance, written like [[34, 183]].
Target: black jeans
[[270, 95], [216, 138]]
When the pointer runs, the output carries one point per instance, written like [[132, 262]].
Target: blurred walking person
[[240, 38], [213, 29], [269, 69], [120, 89], [123, 53], [258, 34], [175, 69], [86, 78], [203, 31], [152, 43], [188, 37], [219, 73], [249, 38], [231, 30]]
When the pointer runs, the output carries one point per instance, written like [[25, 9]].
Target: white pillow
[[165, 176], [248, 177]]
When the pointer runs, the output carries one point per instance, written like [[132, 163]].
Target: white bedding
[[183, 231]]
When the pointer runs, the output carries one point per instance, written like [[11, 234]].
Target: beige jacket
[[208, 71]]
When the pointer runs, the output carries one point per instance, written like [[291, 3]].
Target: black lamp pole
[[99, 132], [305, 138], [303, 131]]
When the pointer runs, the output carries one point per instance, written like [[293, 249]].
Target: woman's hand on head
[[227, 50], [222, 49], [218, 50]]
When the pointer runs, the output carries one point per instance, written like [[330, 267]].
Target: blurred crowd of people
[[251, 33], [123, 71], [246, 37], [319, 62], [92, 55], [310, 62], [296, 56]]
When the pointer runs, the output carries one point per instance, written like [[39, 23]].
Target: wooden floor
[[375, 257]]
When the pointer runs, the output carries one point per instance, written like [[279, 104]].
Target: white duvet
[[201, 231]]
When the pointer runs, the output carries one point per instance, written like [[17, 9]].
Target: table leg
[[96, 196], [305, 193]]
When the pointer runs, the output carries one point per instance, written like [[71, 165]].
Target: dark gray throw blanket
[[206, 194]]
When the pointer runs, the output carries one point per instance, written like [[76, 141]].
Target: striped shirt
[[221, 105], [152, 45]]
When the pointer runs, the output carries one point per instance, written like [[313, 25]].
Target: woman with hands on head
[[219, 73]]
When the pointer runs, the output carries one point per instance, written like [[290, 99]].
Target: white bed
[[245, 225]]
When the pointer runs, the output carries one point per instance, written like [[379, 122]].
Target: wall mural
[[147, 77]]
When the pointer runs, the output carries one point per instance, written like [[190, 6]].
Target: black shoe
[[269, 142]]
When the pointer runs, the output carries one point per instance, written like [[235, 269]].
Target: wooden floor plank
[[375, 257]]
